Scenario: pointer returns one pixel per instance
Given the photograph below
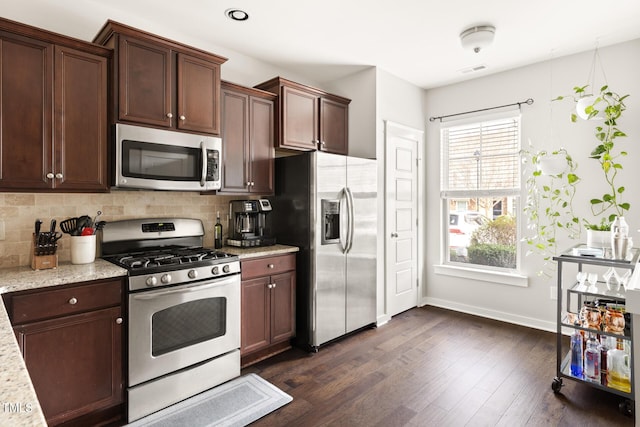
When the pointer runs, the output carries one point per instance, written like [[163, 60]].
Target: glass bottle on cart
[[576, 354]]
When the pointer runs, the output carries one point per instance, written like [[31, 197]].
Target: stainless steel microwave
[[157, 159]]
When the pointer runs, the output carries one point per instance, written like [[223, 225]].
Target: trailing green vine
[[549, 203]]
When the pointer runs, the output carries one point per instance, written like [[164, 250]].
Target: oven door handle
[[151, 294]]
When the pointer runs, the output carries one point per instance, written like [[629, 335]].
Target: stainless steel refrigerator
[[326, 204]]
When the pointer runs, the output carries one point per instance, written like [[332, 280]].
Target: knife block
[[42, 262]]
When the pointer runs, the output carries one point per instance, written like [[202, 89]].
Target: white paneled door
[[401, 217]]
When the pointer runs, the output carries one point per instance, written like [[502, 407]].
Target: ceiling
[[416, 40]]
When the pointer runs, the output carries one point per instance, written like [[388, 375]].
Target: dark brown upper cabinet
[[53, 111], [162, 83], [247, 136], [309, 118]]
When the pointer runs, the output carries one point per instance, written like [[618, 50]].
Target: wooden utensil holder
[[42, 262]]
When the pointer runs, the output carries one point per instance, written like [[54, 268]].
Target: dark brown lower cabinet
[[72, 347], [268, 307]]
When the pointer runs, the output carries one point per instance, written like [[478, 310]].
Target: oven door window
[[159, 161], [186, 324]]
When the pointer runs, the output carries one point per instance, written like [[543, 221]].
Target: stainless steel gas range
[[183, 310]]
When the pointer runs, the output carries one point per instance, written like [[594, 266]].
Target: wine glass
[[612, 279], [592, 278], [581, 277], [624, 279]]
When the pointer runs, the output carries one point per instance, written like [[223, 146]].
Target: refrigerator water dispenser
[[331, 221]]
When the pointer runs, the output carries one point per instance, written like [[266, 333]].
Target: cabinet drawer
[[268, 265], [60, 302]]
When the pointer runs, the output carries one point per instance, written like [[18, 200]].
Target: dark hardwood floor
[[434, 367]]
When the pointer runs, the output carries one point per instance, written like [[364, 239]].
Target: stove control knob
[[215, 270], [152, 281], [192, 274], [166, 278], [225, 269]]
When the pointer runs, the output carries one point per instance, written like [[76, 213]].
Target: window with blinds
[[481, 157], [480, 184]]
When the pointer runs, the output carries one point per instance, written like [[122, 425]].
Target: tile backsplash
[[19, 211]]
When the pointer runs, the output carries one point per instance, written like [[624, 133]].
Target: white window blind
[[481, 158]]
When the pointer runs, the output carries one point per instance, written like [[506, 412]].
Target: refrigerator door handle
[[345, 245], [350, 219]]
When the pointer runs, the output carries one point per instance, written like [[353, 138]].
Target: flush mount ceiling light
[[478, 37], [236, 14]]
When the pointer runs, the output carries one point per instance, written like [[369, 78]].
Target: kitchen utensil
[[95, 218], [83, 221], [69, 226]]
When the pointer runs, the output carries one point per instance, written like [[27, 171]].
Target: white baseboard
[[529, 322], [382, 319]]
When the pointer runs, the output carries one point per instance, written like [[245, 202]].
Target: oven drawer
[[267, 266], [60, 302]]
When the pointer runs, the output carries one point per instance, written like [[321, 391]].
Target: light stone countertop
[[255, 252], [19, 405]]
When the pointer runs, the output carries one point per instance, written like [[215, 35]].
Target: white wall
[[547, 126]]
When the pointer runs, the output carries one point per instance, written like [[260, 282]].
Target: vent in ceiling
[[473, 69]]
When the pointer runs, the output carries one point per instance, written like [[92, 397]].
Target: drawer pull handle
[[73, 301], [270, 266], [119, 320]]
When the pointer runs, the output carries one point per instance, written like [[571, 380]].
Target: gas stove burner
[[171, 258]]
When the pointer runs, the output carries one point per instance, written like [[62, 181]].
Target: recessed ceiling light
[[237, 14]]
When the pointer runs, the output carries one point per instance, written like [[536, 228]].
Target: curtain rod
[[519, 104]]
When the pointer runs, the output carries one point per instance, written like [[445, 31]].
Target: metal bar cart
[[600, 294]]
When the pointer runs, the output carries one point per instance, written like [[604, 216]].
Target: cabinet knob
[[269, 285], [270, 265], [73, 301], [273, 285], [169, 115], [50, 175], [394, 234], [182, 118], [59, 175], [119, 320]]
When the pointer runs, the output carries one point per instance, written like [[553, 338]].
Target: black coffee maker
[[248, 226]]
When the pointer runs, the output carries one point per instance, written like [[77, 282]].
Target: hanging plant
[[610, 106], [549, 203]]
